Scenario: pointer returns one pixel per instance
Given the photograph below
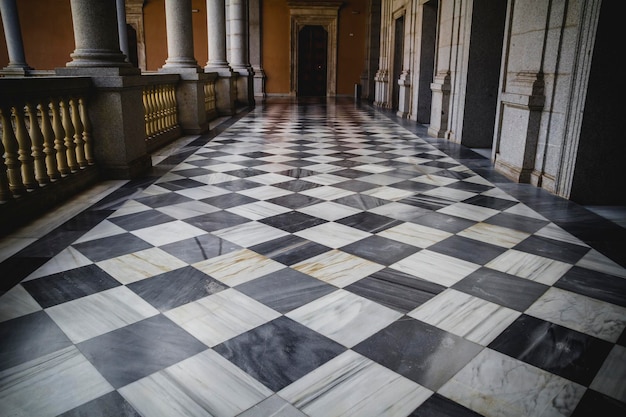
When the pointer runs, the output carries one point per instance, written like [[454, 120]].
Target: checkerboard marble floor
[[318, 259]]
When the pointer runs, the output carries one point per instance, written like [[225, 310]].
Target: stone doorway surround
[[318, 13]]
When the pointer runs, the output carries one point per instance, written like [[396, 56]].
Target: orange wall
[[350, 48], [47, 32]]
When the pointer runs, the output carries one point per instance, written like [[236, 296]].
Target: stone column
[[121, 27], [13, 36], [179, 35], [217, 63], [256, 49], [180, 60], [239, 60]]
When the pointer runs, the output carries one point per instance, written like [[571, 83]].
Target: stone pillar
[[256, 49], [121, 27], [116, 107], [239, 60], [224, 86], [13, 36], [404, 100], [180, 60]]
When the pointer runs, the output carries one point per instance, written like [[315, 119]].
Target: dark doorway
[[131, 36], [312, 55], [398, 57]]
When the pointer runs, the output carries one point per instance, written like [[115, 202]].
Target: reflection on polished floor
[[315, 259]]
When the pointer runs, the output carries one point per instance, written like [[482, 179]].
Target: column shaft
[[179, 35], [13, 35], [121, 27], [216, 25]]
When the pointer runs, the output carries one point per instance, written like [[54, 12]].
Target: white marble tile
[[265, 192], [250, 234], [104, 229], [188, 209], [449, 194], [184, 165], [270, 178], [50, 385], [526, 265], [374, 169], [434, 179], [496, 385], [273, 406], [96, 314], [325, 179], [469, 211], [67, 259], [415, 234], [153, 190], [596, 261], [552, 231], [238, 267], [139, 265], [225, 167], [205, 191], [409, 159], [273, 167], [221, 316], [435, 267], [130, 207], [584, 314], [496, 235], [215, 178], [352, 385], [344, 317], [9, 246], [17, 302], [204, 385], [328, 210], [467, 316], [277, 159], [333, 235], [523, 210], [327, 192], [169, 232], [611, 378], [231, 158], [258, 210], [388, 193], [170, 176], [477, 179], [337, 268]]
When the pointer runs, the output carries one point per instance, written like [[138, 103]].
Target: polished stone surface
[[315, 258]]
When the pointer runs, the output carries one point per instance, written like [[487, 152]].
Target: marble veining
[[337, 268], [415, 234], [536, 268], [435, 267], [239, 266], [139, 265]]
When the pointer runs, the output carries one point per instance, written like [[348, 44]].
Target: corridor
[[317, 258]]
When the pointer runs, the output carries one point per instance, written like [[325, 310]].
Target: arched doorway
[[312, 61]]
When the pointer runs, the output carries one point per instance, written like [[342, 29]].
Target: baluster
[[10, 153], [48, 142], [82, 110], [59, 138], [78, 133], [146, 111], [167, 98], [5, 191], [69, 136], [25, 150], [161, 109], [153, 121], [174, 106], [36, 138]]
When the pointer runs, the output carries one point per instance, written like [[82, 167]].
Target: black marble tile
[[111, 247], [289, 249], [469, 186], [594, 284], [500, 288], [127, 354], [245, 172], [490, 202], [295, 201], [15, 269], [439, 406], [369, 222], [229, 200], [380, 250], [426, 201], [200, 248], [292, 221], [394, 289], [216, 221], [421, 352], [257, 154], [175, 288], [297, 185], [51, 244], [559, 350], [361, 201], [453, 174], [182, 184], [141, 219], [286, 289], [162, 200], [440, 164], [553, 249], [451, 224], [351, 173], [594, 403], [279, 352], [29, 337], [298, 172], [192, 172], [467, 249], [109, 405], [239, 185], [86, 220], [415, 186], [69, 285], [517, 222], [355, 185]]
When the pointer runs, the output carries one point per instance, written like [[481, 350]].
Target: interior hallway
[[315, 259]]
